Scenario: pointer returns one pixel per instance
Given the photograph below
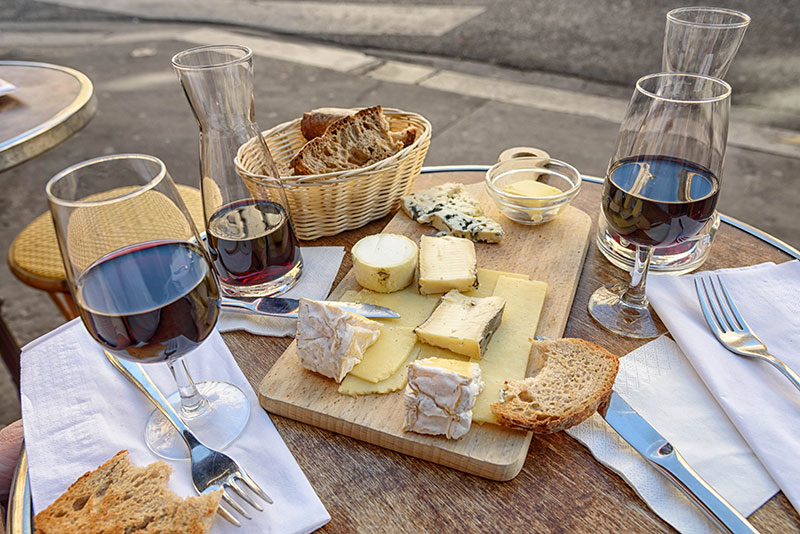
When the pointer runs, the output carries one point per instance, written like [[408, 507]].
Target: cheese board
[[552, 253]]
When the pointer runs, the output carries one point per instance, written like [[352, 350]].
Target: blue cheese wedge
[[447, 263], [440, 395], [462, 324], [330, 340], [450, 209]]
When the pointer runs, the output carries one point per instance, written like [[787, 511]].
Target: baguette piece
[[315, 122], [119, 497], [572, 379], [352, 142]]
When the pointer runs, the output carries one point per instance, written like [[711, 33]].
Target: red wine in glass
[[658, 201], [150, 302], [251, 243]]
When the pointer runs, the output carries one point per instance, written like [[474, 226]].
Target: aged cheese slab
[[552, 253]]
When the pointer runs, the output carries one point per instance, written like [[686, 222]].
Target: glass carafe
[[249, 232]]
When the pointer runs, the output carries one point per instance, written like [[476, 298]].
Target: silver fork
[[731, 329], [211, 470]]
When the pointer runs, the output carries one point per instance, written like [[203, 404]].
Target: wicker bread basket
[[327, 204]]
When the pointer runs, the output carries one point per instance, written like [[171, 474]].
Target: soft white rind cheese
[[384, 262], [450, 209], [440, 395], [330, 340], [447, 263], [462, 324]]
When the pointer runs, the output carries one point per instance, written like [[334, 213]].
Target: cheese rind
[[330, 340], [450, 209], [384, 262], [440, 395], [447, 263], [462, 324]]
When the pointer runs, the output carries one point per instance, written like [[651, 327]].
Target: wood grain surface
[[551, 253], [561, 487]]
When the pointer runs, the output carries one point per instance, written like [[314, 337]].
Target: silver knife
[[664, 457], [283, 307]]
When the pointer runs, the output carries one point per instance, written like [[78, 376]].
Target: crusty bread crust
[[352, 142], [119, 497], [572, 379], [315, 122]]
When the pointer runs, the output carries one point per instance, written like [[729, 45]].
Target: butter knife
[[667, 460], [283, 307]]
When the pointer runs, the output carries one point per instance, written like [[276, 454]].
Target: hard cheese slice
[[385, 357], [355, 386], [506, 356], [412, 307]]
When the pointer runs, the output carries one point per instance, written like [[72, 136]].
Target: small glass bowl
[[532, 209]]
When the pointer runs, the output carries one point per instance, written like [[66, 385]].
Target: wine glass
[[662, 183], [143, 284]]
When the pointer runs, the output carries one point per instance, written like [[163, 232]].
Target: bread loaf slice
[[352, 142], [572, 378], [315, 122], [119, 497]]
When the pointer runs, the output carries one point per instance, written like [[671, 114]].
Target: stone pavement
[[476, 110]]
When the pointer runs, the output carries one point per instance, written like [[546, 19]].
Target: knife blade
[[283, 307], [659, 453]]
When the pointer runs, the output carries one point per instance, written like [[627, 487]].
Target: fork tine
[[705, 305], [724, 306], [741, 322], [716, 306], [227, 516], [250, 483], [244, 496], [235, 505]]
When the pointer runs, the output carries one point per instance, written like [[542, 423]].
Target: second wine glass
[[143, 284], [662, 183]]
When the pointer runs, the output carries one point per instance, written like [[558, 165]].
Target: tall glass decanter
[[249, 232]]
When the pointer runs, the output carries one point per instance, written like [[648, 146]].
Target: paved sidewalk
[[476, 110]]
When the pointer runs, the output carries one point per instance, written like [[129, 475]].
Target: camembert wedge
[[447, 263], [330, 340], [440, 395], [462, 324]]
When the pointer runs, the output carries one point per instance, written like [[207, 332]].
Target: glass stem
[[192, 401], [635, 294]]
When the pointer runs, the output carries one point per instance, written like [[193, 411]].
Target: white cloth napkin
[[320, 266], [79, 411], [757, 398], [660, 384]]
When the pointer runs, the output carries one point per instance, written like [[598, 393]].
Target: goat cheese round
[[385, 262]]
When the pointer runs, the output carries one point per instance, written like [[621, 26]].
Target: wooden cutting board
[[553, 253]]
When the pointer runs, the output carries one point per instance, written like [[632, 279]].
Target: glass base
[[621, 318], [680, 259], [229, 411], [267, 289]]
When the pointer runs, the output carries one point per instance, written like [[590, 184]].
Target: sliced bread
[[119, 497], [571, 379], [315, 122], [351, 142]]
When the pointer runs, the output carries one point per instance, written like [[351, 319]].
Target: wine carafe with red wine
[[662, 183], [249, 230], [143, 285]]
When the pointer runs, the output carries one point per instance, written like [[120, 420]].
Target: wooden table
[[561, 488], [50, 104]]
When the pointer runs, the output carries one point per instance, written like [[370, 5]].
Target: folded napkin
[[78, 411], [762, 404], [660, 384], [320, 267]]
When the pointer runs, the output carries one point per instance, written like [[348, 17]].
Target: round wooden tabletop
[[561, 488], [50, 104]]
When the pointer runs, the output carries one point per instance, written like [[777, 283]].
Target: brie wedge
[[447, 263], [440, 395], [384, 262], [330, 340], [462, 324]]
